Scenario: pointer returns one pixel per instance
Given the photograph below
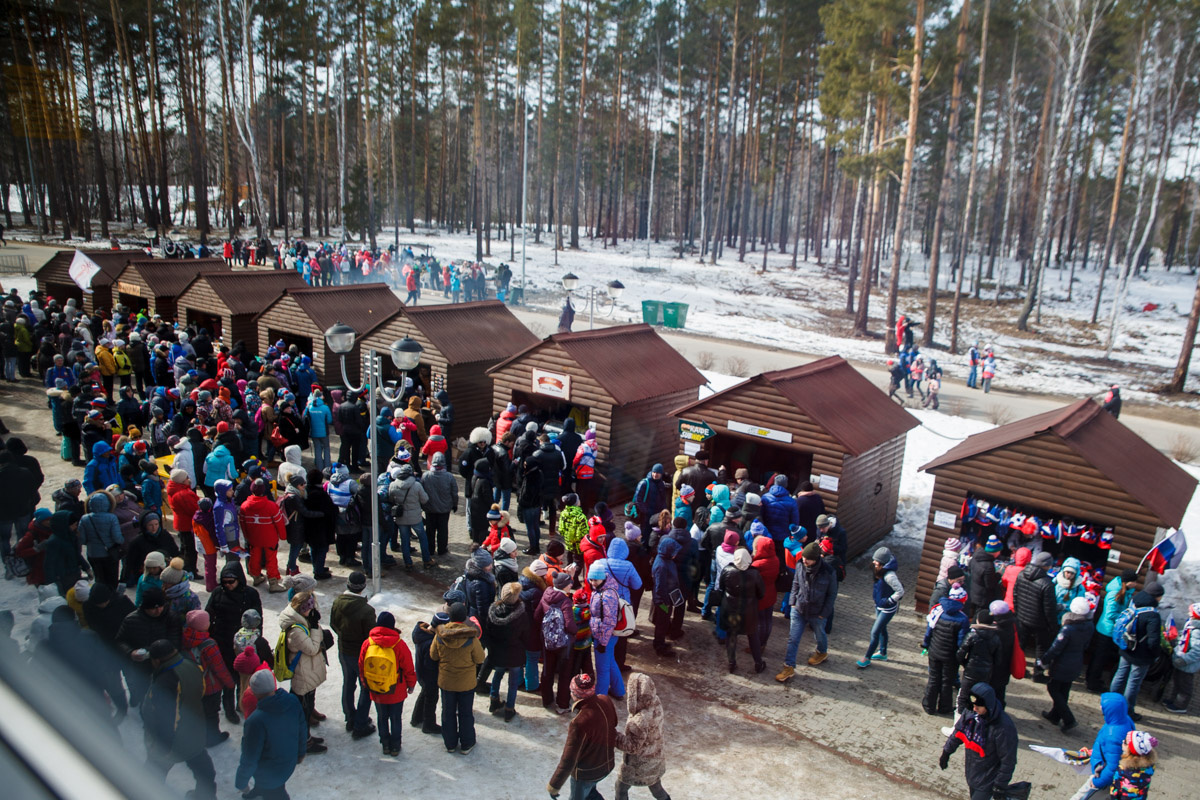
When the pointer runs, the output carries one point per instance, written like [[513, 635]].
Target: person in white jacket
[[307, 642], [185, 460]]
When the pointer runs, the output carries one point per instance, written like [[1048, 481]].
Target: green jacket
[[352, 619]]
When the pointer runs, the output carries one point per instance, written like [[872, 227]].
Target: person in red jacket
[[32, 546], [378, 668], [436, 443], [183, 502], [264, 527], [592, 548]]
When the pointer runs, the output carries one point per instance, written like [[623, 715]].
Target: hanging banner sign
[[695, 431], [553, 384], [764, 433]]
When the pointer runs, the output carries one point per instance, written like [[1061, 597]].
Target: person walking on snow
[[386, 665], [814, 590]]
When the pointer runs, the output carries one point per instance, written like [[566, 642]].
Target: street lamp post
[[406, 354], [614, 289]]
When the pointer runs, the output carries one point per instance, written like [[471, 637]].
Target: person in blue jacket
[[151, 485], [1106, 749], [100, 532], [101, 471], [779, 512], [219, 465], [225, 517], [887, 593], [320, 420], [304, 377], [274, 739]]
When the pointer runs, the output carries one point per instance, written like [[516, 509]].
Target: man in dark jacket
[[1036, 609], [551, 462], [1065, 660], [232, 598], [814, 590], [588, 754], [138, 631], [699, 476], [18, 499], [352, 619], [650, 496], [174, 717], [945, 631], [984, 581], [569, 440], [977, 656], [779, 512], [991, 743], [352, 417], [829, 526], [424, 713], [809, 505], [104, 611], [1137, 659], [274, 740]]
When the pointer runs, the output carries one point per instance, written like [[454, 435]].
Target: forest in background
[[967, 139]]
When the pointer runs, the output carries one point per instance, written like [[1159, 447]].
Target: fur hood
[[1131, 761]]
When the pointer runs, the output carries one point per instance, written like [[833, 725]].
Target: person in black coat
[[1006, 632], [569, 440], [1137, 660], [232, 598], [991, 739], [479, 500], [977, 656], [946, 628], [743, 589], [1036, 609], [506, 625], [984, 581], [1065, 660], [152, 538], [137, 632], [424, 713]]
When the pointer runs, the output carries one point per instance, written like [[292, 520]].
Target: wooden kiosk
[[227, 303], [155, 284]]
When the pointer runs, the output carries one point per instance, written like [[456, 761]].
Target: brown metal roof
[[469, 332], [1121, 455], [111, 262], [169, 277], [250, 291], [631, 362], [362, 306], [837, 397]]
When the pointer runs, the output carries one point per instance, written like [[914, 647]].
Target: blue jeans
[[972, 376], [359, 713], [879, 634], [321, 457], [608, 677], [405, 531], [532, 519], [10, 368], [532, 672], [501, 496], [458, 719], [798, 625], [584, 790], [390, 717], [1128, 680], [708, 593], [514, 678]]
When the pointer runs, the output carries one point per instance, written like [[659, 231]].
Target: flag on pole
[[82, 270], [1168, 554]]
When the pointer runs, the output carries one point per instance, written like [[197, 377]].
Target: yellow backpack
[[379, 669]]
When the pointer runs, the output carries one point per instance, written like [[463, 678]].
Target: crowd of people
[[129, 392]]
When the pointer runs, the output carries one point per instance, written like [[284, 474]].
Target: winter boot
[[495, 705], [276, 586], [785, 674], [259, 580]]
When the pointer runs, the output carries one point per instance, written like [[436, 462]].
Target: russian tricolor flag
[[1168, 554]]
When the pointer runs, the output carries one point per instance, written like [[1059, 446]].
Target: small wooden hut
[[227, 303], [155, 284]]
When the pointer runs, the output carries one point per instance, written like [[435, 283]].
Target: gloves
[[944, 761], [925, 652], [553, 792], [600, 648]]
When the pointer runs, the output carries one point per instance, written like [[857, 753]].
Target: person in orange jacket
[[386, 661], [264, 527]]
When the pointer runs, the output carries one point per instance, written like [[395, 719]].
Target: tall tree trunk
[[575, 187], [1179, 377]]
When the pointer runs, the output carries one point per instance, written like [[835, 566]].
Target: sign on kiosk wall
[[764, 433], [695, 431], [552, 384]]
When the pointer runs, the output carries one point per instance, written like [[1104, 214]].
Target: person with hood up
[[506, 568], [946, 628], [742, 588], [152, 538], [102, 539], [650, 498], [780, 511], [173, 713], [408, 496], [457, 652], [990, 740], [264, 525], [225, 518], [479, 500], [1185, 658], [982, 577], [205, 541], [1008, 580], [63, 563], [1036, 609], [101, 471], [442, 489], [667, 594], [605, 607], [887, 593], [1064, 659], [1112, 401], [290, 465], [1068, 585], [1108, 745], [306, 643], [476, 449], [554, 619], [32, 547], [386, 664], [201, 650], [1118, 595], [273, 741], [505, 422], [320, 420], [322, 529], [572, 523], [977, 656], [617, 564], [1136, 660], [219, 465], [413, 412], [814, 591], [226, 605], [588, 754], [445, 414], [643, 741], [767, 564], [352, 618], [183, 502], [507, 623]]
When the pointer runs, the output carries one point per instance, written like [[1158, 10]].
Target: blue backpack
[[1124, 633]]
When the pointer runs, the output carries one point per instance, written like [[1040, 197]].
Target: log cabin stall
[[623, 380], [54, 277], [227, 303], [1073, 481], [154, 285], [461, 342], [301, 317], [822, 422]]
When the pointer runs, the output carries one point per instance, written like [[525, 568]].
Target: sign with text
[[695, 431], [762, 433], [125, 287], [552, 384], [945, 519]]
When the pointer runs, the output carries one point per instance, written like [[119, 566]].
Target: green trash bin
[[652, 312], [675, 314]]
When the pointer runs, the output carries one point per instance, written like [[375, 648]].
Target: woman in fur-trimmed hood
[[642, 741]]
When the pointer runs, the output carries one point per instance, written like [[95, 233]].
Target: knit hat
[[1137, 742], [508, 545], [597, 572], [826, 545], [882, 555], [493, 513], [562, 580], [811, 551], [1193, 610], [540, 568], [1154, 589], [579, 597], [262, 683], [386, 620], [531, 427], [300, 583], [686, 492], [589, 435], [179, 476], [958, 593], [198, 620], [481, 559], [440, 618], [511, 593], [954, 544], [632, 531], [173, 574], [1043, 560], [993, 544], [83, 590], [999, 608], [753, 499], [155, 559], [555, 548], [252, 618], [741, 560], [955, 572], [452, 596], [583, 686], [246, 662], [822, 520], [356, 582], [1080, 606]]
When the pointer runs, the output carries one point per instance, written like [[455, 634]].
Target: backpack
[[530, 494], [350, 519], [379, 669], [1124, 632], [554, 631], [285, 667]]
